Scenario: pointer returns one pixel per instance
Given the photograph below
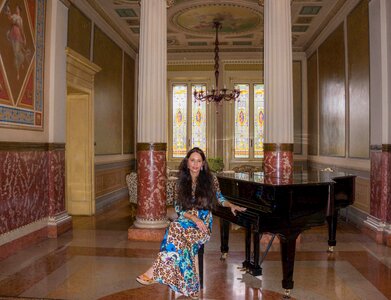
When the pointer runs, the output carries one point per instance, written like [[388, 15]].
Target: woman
[[16, 36], [196, 194]]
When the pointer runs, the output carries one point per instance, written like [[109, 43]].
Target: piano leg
[[247, 263], [332, 223], [224, 236], [288, 250], [256, 269]]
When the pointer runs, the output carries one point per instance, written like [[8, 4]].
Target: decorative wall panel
[[22, 35], [313, 104], [110, 180], [108, 95], [129, 105], [297, 107], [332, 102], [79, 32], [358, 76]]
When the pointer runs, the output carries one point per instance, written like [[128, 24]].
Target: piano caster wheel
[[330, 249], [223, 256], [287, 294]]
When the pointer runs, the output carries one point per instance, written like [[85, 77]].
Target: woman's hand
[[201, 225], [235, 208]]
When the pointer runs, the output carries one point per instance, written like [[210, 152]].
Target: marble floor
[[96, 261]]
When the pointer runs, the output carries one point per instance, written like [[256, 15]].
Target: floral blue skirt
[[175, 264]]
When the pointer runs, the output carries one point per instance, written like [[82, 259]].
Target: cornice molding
[[211, 62], [94, 4], [99, 17], [190, 62], [190, 68], [260, 50], [67, 3], [344, 8]]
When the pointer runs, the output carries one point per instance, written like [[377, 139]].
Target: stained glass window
[[242, 149], [259, 118], [198, 129], [179, 120]]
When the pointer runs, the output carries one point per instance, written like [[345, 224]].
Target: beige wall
[[114, 101], [343, 57], [338, 100], [114, 85], [79, 32], [358, 84], [108, 95]]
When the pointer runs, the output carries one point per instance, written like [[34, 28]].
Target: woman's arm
[[224, 202], [200, 224], [234, 208]]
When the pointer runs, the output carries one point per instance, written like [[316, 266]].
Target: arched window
[[188, 119], [249, 122]]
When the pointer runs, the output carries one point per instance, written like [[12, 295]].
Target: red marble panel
[[23, 242], [385, 205], [24, 188], [56, 182], [376, 158], [278, 166], [151, 184]]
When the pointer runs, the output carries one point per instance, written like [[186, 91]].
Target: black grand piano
[[285, 209]]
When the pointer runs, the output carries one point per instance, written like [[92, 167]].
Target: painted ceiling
[[190, 23]]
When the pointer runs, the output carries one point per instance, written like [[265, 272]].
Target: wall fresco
[[21, 63]]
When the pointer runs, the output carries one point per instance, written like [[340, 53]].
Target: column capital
[[170, 3]]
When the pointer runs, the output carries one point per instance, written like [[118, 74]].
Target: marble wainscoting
[[378, 223], [32, 205]]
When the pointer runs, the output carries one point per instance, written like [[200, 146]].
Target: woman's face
[[194, 163]]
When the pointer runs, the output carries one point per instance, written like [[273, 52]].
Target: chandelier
[[216, 95]]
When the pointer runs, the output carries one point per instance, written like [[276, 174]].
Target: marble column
[[378, 223], [278, 147], [152, 124]]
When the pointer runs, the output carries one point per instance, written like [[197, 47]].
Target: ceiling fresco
[[190, 23], [236, 19]]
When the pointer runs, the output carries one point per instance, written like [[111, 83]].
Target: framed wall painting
[[22, 24]]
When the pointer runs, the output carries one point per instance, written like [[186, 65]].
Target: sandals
[[145, 280], [194, 296]]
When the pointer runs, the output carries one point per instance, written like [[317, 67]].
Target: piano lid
[[297, 178]]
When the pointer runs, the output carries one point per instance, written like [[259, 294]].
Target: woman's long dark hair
[[205, 196]]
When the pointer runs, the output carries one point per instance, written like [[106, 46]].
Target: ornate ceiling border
[[260, 50], [94, 4]]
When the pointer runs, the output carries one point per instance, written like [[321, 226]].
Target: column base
[[151, 224], [377, 230], [59, 224], [146, 235]]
